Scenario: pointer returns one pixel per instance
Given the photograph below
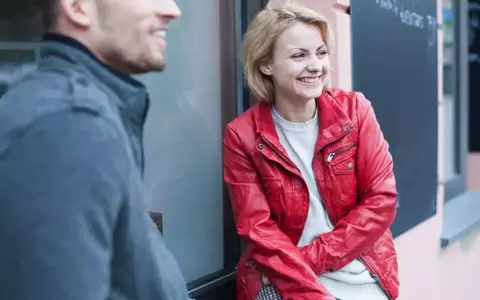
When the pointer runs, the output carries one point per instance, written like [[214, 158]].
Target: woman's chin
[[312, 94]]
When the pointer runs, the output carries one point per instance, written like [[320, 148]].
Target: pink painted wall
[[473, 172], [426, 271]]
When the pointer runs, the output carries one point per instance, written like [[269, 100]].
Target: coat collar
[[332, 120], [131, 95]]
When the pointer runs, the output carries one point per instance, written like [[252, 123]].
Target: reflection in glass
[[19, 29], [15, 61], [183, 141], [19, 21]]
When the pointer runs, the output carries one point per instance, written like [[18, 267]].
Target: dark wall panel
[[474, 66], [395, 66]]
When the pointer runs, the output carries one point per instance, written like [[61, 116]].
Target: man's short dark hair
[[48, 12]]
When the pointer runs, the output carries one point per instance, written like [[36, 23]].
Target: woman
[[309, 173]]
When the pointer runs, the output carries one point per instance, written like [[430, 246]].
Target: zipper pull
[[330, 156]]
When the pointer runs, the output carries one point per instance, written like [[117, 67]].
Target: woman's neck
[[296, 112]]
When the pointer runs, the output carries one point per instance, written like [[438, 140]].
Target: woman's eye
[[322, 53], [298, 55]]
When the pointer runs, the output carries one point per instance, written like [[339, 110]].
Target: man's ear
[[266, 69], [79, 12]]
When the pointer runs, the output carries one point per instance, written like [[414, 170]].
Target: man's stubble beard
[[116, 52]]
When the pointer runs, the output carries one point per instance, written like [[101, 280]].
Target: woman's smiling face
[[300, 63]]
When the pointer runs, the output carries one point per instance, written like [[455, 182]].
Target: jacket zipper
[[331, 155], [141, 132], [138, 146], [319, 186]]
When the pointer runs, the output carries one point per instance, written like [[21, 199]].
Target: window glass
[[183, 139], [449, 92], [183, 131]]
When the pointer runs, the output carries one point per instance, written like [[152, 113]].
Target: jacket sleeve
[[376, 210], [272, 250]]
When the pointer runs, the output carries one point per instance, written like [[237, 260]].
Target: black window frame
[[249, 9]]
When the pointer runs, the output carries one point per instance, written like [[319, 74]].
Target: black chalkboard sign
[[395, 66], [474, 70]]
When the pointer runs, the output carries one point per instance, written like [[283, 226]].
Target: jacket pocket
[[343, 166]]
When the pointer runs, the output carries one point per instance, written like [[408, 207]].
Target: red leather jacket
[[354, 173]]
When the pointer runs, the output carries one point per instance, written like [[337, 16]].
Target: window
[[191, 101], [460, 211], [248, 9], [455, 86], [449, 93], [183, 142]]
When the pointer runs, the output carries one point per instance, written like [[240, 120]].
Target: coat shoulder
[[353, 103], [242, 131]]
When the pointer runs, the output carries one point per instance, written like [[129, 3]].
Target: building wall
[[426, 270], [473, 171]]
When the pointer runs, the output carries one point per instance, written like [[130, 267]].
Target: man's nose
[[168, 9]]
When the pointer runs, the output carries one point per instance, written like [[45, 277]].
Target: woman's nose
[[315, 65]]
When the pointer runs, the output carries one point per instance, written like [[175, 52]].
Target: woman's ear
[[266, 70]]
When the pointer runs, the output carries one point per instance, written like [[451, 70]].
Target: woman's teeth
[[309, 79]]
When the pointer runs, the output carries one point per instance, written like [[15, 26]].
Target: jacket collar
[[333, 122], [131, 94]]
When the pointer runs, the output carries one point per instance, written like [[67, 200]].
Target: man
[[73, 224]]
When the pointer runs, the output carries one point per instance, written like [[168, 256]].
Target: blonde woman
[[309, 172]]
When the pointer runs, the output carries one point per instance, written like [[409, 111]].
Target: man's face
[[130, 35]]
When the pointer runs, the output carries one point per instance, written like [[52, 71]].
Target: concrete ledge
[[460, 215]]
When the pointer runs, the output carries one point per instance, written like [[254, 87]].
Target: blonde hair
[[262, 34]]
